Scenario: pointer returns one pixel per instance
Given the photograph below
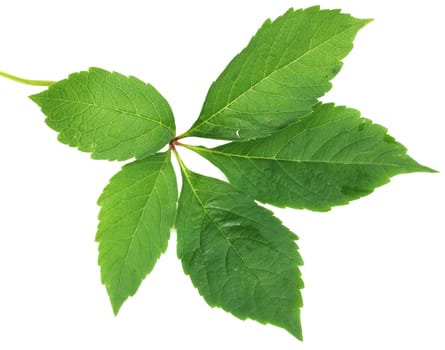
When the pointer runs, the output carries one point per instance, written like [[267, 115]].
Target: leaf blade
[[279, 76], [239, 256], [138, 210], [111, 116], [329, 158]]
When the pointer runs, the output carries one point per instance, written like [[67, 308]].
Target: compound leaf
[[138, 210], [239, 256], [278, 77], [294, 152], [112, 116], [329, 158]]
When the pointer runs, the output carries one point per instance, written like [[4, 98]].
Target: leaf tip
[[115, 310], [116, 304], [415, 166], [35, 98], [366, 21], [425, 169], [295, 328]]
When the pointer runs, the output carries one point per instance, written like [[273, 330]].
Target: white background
[[374, 270]]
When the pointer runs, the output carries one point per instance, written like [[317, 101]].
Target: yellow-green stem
[[26, 81]]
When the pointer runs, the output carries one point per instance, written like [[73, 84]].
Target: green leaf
[[278, 77], [290, 151], [138, 210], [239, 256], [329, 158], [112, 116]]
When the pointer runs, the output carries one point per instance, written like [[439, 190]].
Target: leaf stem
[[26, 81], [184, 170], [183, 135], [185, 145], [178, 158]]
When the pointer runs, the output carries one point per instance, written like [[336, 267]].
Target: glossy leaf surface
[[279, 76], [138, 211], [329, 158], [239, 256], [107, 114]]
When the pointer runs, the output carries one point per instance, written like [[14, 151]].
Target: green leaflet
[[239, 256], [295, 152], [329, 158], [278, 77], [112, 116], [138, 210]]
